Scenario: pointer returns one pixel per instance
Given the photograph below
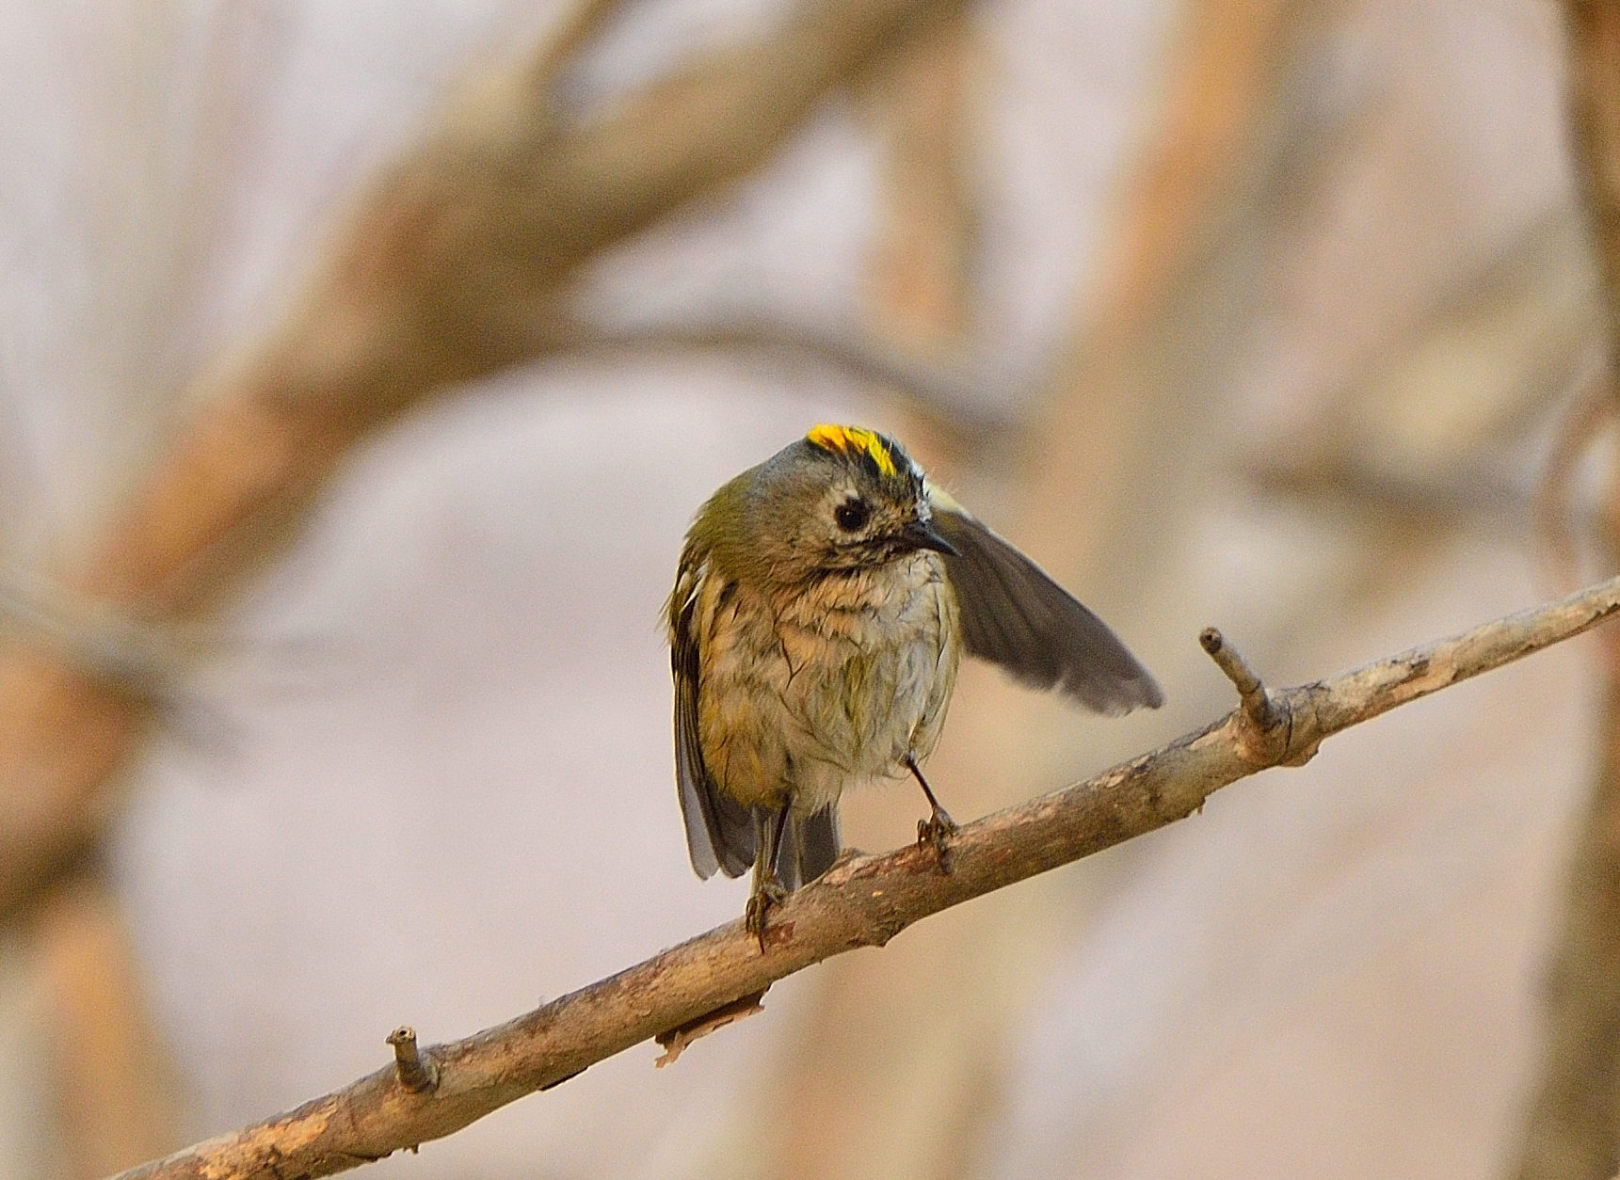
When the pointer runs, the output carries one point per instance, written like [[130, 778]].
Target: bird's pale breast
[[805, 693]]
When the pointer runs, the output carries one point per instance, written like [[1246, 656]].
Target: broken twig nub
[[1258, 706], [416, 1068]]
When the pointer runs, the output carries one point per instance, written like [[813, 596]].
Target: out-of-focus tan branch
[[112, 1089], [563, 45], [919, 275], [1106, 400], [861, 901], [1552, 509], [1594, 78], [448, 266], [1573, 1131]]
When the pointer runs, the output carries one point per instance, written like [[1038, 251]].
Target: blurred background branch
[[1573, 1129]]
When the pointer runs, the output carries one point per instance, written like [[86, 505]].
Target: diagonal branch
[[861, 901]]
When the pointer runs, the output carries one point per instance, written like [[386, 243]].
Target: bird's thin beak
[[922, 536]]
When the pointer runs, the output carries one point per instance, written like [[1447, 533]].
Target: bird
[[822, 602]]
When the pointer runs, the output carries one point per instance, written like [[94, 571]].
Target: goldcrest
[[821, 605]]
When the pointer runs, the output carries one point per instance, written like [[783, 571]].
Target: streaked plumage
[[821, 605]]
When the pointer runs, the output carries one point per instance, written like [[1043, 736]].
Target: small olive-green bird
[[821, 606]]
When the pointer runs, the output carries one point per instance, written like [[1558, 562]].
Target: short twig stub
[[417, 1069], [1267, 718]]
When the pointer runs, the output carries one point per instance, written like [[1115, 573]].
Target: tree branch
[[861, 901]]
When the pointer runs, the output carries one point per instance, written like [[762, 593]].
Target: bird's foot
[[764, 896], [939, 827], [937, 830]]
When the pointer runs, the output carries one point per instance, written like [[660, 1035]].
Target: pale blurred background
[[1259, 314]]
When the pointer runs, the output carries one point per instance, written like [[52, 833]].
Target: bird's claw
[[759, 902]]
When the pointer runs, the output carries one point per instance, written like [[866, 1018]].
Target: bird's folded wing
[[719, 832]]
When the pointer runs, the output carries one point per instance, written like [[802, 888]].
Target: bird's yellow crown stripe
[[853, 441]]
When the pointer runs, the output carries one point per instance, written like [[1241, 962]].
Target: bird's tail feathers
[[809, 846]]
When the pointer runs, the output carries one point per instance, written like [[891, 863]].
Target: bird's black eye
[[852, 515]]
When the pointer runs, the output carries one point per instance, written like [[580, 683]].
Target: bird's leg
[[767, 886], [939, 826]]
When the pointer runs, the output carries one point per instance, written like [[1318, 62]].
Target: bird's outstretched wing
[[1014, 615], [719, 832]]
